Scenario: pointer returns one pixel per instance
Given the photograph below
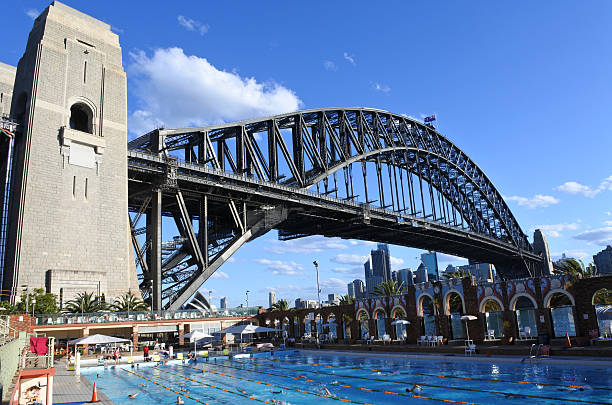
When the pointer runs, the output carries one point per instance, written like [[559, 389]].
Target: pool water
[[295, 377]]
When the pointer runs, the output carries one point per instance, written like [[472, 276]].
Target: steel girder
[[417, 172]]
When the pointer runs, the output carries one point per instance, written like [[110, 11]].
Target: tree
[[38, 301], [389, 288], [346, 300], [129, 302], [85, 303], [280, 305], [575, 269], [458, 273]]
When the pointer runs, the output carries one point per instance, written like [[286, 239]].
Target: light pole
[[25, 288], [316, 264], [247, 300], [33, 305]]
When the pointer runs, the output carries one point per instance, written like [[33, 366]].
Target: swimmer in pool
[[97, 375], [511, 395], [142, 385], [326, 392], [277, 392], [415, 388], [133, 396], [184, 389], [242, 392], [179, 400]]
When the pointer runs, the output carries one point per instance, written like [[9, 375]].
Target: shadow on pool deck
[[73, 390]]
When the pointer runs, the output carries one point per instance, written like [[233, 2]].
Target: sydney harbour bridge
[[354, 173]]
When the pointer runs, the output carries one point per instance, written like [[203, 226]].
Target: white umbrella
[[262, 329], [400, 322], [97, 340], [246, 330], [468, 318], [195, 336]]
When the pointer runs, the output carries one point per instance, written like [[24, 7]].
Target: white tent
[[97, 339], [195, 335], [246, 330]]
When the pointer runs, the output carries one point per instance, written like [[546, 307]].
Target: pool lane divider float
[[443, 375], [582, 401], [164, 386], [200, 382], [269, 385], [321, 395]]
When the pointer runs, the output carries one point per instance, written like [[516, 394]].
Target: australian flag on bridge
[[431, 118]]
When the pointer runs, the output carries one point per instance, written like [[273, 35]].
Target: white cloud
[[220, 274], [349, 58], [554, 230], [396, 262], [600, 236], [608, 213], [572, 187], [345, 258], [308, 291], [177, 90], [577, 254], [192, 25], [352, 271], [446, 258], [536, 201], [382, 88], [32, 13], [281, 267], [313, 244], [362, 243], [329, 65], [608, 223]]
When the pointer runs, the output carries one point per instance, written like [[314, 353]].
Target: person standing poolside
[[146, 352]]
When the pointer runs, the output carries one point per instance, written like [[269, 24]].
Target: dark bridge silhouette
[[346, 172]]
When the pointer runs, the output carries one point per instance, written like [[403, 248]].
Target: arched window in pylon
[[81, 118]]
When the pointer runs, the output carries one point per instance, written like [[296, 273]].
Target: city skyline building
[[405, 276], [603, 261], [271, 299], [356, 289], [223, 303], [430, 260], [421, 275]]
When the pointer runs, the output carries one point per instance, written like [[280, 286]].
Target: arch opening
[[493, 318], [364, 325], [602, 301], [562, 314], [455, 309], [525, 311], [400, 327], [428, 327], [381, 328], [81, 118]]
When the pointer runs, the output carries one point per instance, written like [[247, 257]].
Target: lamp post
[[33, 305], [247, 300], [25, 288], [316, 264]]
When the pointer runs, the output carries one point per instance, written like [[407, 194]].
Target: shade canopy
[[468, 318], [400, 322], [97, 340], [604, 313], [247, 329], [196, 335]]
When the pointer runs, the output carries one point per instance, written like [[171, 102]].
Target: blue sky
[[525, 88]]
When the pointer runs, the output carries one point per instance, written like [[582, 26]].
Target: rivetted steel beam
[[156, 247]]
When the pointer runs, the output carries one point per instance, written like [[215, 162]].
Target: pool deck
[[68, 388]]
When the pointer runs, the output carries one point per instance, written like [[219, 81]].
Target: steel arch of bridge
[[417, 174]]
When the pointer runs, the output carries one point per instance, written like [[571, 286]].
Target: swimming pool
[[296, 377]]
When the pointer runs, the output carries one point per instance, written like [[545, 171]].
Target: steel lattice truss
[[386, 165]]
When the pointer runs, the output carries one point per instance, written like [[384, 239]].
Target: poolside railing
[[141, 316]]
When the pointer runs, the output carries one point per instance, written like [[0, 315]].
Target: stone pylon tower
[[68, 226]]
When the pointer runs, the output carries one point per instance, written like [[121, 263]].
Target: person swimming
[[277, 392], [184, 389], [242, 392], [142, 385], [133, 396], [415, 388], [326, 392], [179, 400]]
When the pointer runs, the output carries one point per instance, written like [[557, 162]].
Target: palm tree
[[389, 288], [575, 269], [129, 302], [346, 300], [280, 305], [85, 303], [458, 273]]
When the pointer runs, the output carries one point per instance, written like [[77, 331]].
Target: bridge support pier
[[156, 248]]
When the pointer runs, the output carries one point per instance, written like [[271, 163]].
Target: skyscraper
[[381, 262], [356, 289], [603, 261], [421, 275], [223, 303], [430, 261], [405, 276], [271, 299]]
